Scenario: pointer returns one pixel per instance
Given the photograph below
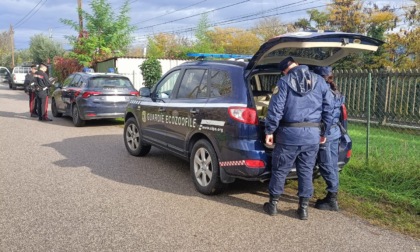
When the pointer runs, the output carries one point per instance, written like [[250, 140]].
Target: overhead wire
[[245, 18], [171, 12], [27, 14], [168, 22]]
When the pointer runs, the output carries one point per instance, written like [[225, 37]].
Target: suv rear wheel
[[204, 168], [133, 139]]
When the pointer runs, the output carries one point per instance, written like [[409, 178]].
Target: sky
[[33, 17]]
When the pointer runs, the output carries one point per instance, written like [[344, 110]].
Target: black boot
[[328, 203], [270, 207], [303, 208]]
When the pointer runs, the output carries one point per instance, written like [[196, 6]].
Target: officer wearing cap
[[29, 87], [301, 101], [328, 152], [43, 83]]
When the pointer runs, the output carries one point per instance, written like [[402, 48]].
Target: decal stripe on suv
[[188, 105], [232, 163]]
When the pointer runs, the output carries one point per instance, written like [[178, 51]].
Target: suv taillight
[[87, 94], [243, 115], [135, 93], [344, 112]]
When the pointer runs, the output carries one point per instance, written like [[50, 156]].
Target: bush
[[63, 67], [151, 71]]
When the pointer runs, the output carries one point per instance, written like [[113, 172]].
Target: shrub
[[151, 71], [63, 67]]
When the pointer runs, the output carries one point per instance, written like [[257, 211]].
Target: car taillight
[[90, 93], [344, 109], [254, 164], [348, 155], [244, 115], [135, 93]]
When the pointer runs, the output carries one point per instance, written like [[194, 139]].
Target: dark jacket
[[302, 96], [29, 79], [42, 80], [335, 131]]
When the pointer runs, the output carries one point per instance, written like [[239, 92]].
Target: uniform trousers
[[328, 163], [33, 106], [42, 97], [284, 159]]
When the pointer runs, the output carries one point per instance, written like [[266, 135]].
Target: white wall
[[130, 67]]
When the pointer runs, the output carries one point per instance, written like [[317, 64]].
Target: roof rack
[[220, 56]]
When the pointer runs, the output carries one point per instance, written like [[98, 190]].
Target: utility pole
[[12, 45], [79, 4]]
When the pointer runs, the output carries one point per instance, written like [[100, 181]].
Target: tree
[[320, 18], [303, 23], [234, 40], [165, 45], [5, 49], [379, 20], [347, 16], [203, 44], [106, 34], [268, 28], [151, 71], [43, 49]]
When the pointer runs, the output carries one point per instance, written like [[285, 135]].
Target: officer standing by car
[[301, 101], [29, 87], [328, 152], [43, 83]]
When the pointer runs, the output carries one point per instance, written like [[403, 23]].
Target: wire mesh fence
[[384, 114]]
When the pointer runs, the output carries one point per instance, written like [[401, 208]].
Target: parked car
[[4, 74], [212, 113], [88, 96], [18, 76]]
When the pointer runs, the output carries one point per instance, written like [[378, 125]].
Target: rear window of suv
[[220, 83], [114, 83]]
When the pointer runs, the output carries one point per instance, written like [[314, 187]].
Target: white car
[[18, 76]]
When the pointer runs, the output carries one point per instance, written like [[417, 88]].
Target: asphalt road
[[64, 188]]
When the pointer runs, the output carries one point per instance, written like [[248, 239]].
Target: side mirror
[[144, 92]]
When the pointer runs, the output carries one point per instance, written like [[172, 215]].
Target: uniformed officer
[[328, 152], [300, 102], [43, 84], [29, 87]]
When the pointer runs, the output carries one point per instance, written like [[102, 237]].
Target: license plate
[[115, 98]]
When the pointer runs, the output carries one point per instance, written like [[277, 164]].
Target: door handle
[[194, 111], [162, 109]]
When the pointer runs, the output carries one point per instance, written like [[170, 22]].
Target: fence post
[[368, 116]]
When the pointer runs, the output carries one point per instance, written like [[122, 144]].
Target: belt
[[300, 124]]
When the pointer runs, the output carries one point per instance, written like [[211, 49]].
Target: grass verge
[[386, 191]]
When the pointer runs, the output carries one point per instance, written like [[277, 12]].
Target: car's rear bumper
[[99, 112]]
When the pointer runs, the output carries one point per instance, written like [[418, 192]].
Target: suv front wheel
[[133, 139], [204, 168]]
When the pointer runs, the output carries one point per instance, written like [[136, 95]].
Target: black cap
[[43, 64], [323, 71], [34, 66], [285, 63]]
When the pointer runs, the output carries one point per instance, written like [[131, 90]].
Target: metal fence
[[389, 101], [393, 96]]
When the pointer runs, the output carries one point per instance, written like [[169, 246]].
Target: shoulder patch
[[276, 90]]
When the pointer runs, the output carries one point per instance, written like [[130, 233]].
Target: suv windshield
[[106, 82]]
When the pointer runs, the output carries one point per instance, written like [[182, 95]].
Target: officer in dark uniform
[[328, 152], [43, 83], [301, 101], [29, 87]]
